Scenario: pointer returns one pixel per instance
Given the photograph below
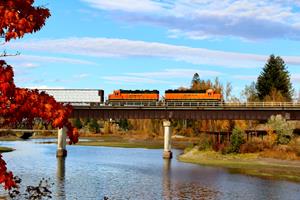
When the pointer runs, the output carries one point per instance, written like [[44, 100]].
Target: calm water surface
[[119, 173]]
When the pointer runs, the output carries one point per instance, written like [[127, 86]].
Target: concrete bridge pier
[[167, 154], [61, 142]]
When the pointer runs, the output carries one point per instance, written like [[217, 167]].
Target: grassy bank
[[5, 149], [125, 142], [250, 164]]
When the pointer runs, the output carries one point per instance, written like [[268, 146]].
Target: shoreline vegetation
[[252, 164], [5, 149]]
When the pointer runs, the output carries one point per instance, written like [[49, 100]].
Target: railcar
[[77, 97], [192, 97], [134, 98]]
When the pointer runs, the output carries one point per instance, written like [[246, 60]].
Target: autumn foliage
[[17, 105], [19, 17], [24, 105]]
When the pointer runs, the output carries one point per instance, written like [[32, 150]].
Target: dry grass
[[250, 164], [277, 154]]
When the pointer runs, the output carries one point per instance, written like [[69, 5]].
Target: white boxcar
[[77, 97]]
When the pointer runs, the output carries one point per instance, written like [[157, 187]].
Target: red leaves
[[19, 17], [17, 104], [6, 178]]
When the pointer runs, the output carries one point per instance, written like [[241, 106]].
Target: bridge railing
[[203, 104], [261, 104], [218, 104]]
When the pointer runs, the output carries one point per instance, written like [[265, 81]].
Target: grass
[[115, 141], [123, 144], [249, 164], [119, 141], [6, 149]]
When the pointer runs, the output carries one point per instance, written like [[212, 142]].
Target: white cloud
[[295, 78], [31, 61], [126, 5], [81, 76], [245, 77], [120, 80], [176, 73], [167, 76], [200, 19], [43, 87], [105, 47]]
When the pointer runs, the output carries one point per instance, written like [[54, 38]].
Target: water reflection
[[120, 173], [60, 178], [174, 188], [166, 179]]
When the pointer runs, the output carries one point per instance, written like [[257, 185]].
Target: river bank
[[5, 149], [249, 164], [116, 141], [132, 142]]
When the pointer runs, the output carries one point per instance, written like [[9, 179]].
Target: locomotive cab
[[210, 92], [117, 92]]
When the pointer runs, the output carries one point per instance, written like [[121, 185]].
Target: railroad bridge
[[224, 111], [168, 111]]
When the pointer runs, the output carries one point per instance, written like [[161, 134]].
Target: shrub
[[205, 142], [253, 146], [236, 140], [124, 124], [270, 140], [294, 146], [77, 123], [283, 129], [93, 126]]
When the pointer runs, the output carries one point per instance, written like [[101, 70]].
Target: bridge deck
[[194, 112]]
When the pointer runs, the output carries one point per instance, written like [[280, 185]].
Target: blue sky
[[157, 44]]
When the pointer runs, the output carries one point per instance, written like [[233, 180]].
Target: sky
[[156, 44]]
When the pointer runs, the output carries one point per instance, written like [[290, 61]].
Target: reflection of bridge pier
[[167, 154], [167, 180], [61, 142], [60, 178]]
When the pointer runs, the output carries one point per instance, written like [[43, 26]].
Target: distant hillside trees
[[198, 84]]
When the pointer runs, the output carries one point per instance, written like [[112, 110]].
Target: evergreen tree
[[274, 77], [124, 124], [93, 126], [77, 123], [195, 82]]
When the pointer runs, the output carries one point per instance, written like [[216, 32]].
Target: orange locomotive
[[134, 97], [192, 96]]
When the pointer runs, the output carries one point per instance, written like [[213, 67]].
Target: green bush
[[124, 124], [77, 123], [93, 126], [236, 140], [283, 129]]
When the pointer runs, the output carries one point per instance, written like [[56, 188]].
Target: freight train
[[171, 98], [137, 97]]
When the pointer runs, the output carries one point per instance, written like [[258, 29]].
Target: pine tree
[[195, 82], [93, 126], [77, 123], [274, 77]]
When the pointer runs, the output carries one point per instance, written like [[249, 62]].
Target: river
[[120, 173]]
